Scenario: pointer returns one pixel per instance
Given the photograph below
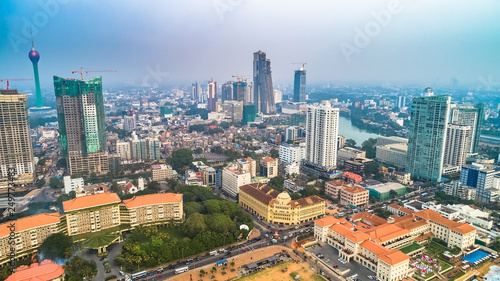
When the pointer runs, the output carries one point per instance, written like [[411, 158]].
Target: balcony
[[367, 259], [348, 252]]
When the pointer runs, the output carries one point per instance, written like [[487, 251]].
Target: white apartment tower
[[322, 135]]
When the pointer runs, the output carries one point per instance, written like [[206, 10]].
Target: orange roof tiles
[[374, 247], [30, 222], [326, 221], [338, 183], [368, 218], [90, 201], [401, 208], [268, 159], [355, 236], [431, 215], [45, 271], [386, 232], [394, 257], [152, 199], [354, 189]]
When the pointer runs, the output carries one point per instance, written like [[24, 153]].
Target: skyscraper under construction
[[16, 152], [80, 112], [263, 83]]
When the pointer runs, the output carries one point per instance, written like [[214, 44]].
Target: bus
[[220, 263], [181, 270], [139, 275]]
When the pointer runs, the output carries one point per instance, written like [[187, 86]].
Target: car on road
[[335, 266]]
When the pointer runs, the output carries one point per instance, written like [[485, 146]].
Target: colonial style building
[[92, 213], [276, 207], [152, 209], [30, 232]]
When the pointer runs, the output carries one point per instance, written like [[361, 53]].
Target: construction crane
[[239, 78], [302, 63], [16, 79], [81, 71]]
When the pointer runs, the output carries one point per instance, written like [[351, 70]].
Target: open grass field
[[276, 274]]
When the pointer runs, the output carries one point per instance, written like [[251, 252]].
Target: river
[[350, 132]]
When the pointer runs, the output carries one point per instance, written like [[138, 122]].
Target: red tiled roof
[[433, 216], [394, 257], [30, 222], [354, 189], [45, 271], [326, 221], [401, 208], [355, 236], [90, 201], [152, 199]]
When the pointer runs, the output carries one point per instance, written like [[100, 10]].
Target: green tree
[[72, 194], [393, 194], [56, 183], [213, 206], [277, 183], [217, 149], [41, 183], [369, 146], [115, 187], [198, 150], [181, 157], [192, 207], [274, 153], [194, 225], [155, 186], [197, 128], [350, 143], [78, 269], [57, 246]]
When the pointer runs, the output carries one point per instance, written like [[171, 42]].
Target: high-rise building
[[241, 92], [227, 91], [472, 116], [299, 85], [153, 149], [292, 133], [212, 95], [195, 91], [427, 137], [481, 178], [249, 113], [457, 141], [401, 101], [263, 83], [80, 112], [322, 124], [16, 151], [129, 120], [123, 150]]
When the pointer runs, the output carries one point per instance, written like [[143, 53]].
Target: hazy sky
[[419, 41]]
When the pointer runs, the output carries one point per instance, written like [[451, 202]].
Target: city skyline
[[403, 39]]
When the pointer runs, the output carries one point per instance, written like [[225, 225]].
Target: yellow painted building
[[279, 208], [152, 209]]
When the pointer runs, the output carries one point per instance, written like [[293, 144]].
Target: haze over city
[[405, 42]]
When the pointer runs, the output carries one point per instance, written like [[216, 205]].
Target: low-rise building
[[92, 213], [153, 209], [393, 154], [233, 179], [30, 232], [162, 172], [333, 188], [292, 153], [275, 207], [268, 167], [45, 271], [351, 177], [382, 191], [354, 195], [349, 153], [75, 185]]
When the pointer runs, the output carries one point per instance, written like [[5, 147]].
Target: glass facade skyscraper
[[427, 137], [80, 112], [299, 86]]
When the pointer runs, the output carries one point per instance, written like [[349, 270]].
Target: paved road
[[331, 254]]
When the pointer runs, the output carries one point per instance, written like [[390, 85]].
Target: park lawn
[[275, 273], [174, 232], [436, 249], [444, 265], [410, 248]]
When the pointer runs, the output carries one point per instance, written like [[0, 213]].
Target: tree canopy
[[78, 269], [57, 246], [181, 157]]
